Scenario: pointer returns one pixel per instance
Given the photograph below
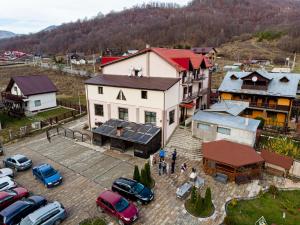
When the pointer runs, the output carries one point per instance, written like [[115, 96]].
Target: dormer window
[[121, 96], [234, 77], [284, 79]]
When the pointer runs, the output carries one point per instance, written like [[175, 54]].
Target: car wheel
[[121, 222], [57, 222]]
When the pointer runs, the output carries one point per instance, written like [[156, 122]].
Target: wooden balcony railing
[[9, 96], [189, 97], [269, 106], [255, 87]]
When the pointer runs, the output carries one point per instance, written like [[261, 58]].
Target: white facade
[[159, 102], [36, 102]]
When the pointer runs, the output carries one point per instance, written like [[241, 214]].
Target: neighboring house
[[142, 100], [277, 164], [29, 94], [77, 58], [209, 52], [222, 121], [240, 163], [281, 70], [192, 70], [270, 95]]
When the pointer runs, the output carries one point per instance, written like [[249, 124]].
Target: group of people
[[163, 166]]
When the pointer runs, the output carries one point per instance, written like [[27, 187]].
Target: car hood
[[53, 178], [6, 172], [129, 212], [146, 193]]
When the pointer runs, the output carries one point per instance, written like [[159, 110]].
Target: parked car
[[18, 162], [14, 213], [51, 214], [133, 190], [6, 183], [47, 175], [117, 206], [10, 196], [6, 172]]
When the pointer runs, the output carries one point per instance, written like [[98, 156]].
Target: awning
[[188, 105]]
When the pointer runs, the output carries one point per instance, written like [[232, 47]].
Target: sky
[[29, 16]]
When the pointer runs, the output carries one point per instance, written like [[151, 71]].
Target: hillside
[[202, 22], [6, 34]]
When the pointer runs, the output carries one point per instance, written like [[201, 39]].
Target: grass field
[[72, 99], [248, 212]]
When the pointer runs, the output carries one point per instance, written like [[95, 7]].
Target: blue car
[[47, 174]]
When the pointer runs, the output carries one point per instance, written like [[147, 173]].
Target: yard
[[248, 212]]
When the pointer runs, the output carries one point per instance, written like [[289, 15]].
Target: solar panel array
[[133, 132]]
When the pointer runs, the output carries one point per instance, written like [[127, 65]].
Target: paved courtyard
[[88, 171]]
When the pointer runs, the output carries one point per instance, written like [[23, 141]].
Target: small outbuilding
[[144, 139], [240, 163], [277, 164]]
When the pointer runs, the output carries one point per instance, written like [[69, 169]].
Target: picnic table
[[184, 190]]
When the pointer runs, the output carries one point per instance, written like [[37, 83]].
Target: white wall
[[17, 92], [48, 100]]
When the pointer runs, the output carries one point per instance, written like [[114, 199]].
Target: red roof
[[178, 58], [277, 159], [107, 59], [231, 153]]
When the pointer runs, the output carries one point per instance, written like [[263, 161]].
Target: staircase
[[185, 144]]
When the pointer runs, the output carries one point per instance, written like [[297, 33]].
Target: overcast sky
[[25, 16]]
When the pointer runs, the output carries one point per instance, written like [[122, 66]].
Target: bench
[[220, 177]]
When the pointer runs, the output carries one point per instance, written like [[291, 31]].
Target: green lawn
[[73, 99], [95, 221], [248, 212]]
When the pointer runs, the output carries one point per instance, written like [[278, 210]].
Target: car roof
[[3, 194], [110, 197], [44, 167], [5, 179], [17, 157], [125, 181], [13, 208], [42, 211]]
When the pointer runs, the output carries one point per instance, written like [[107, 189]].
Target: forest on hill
[[200, 23]]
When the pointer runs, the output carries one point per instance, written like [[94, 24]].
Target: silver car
[[51, 214], [18, 162]]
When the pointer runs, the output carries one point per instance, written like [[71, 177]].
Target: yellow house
[[270, 95]]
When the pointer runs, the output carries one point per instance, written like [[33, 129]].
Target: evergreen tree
[[148, 173], [143, 179], [207, 199], [199, 204], [193, 195], [136, 174]]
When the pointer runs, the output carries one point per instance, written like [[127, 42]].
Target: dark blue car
[[47, 174], [14, 213]]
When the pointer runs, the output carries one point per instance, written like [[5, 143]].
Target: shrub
[[143, 179], [234, 202], [199, 205], [207, 199], [273, 190], [229, 220], [193, 195], [93, 221], [148, 173], [136, 174]]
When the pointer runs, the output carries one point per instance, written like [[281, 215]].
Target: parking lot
[[86, 173]]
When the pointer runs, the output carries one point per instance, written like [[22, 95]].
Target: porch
[[14, 104]]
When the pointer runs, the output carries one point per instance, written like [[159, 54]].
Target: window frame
[[224, 128], [150, 115], [100, 90], [172, 118], [123, 111], [144, 94], [35, 103], [102, 113]]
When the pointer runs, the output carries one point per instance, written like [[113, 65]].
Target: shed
[[144, 139]]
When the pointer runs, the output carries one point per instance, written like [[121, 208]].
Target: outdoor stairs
[[185, 144]]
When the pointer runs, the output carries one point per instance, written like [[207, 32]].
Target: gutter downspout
[[163, 122], [88, 106], [148, 61]]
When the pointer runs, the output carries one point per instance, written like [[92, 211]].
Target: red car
[[117, 206], [10, 196]]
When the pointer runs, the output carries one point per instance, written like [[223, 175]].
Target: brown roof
[[277, 159], [32, 85], [231, 153], [147, 83]]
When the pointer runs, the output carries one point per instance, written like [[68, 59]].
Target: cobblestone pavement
[[88, 171]]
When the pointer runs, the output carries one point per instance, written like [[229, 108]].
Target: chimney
[[119, 131], [148, 46], [246, 121]]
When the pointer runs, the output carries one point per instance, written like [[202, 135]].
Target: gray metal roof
[[275, 88], [226, 120], [234, 108]]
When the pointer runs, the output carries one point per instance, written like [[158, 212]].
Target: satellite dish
[[254, 79]]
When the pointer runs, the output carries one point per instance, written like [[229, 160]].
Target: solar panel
[[153, 130], [136, 137], [145, 139]]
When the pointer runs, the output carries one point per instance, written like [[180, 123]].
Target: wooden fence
[[71, 105]]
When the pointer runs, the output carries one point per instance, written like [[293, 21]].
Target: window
[[190, 90], [123, 114], [121, 96], [37, 103], [100, 90], [185, 90], [99, 110], [223, 130], [150, 117], [144, 94], [171, 117], [203, 127]]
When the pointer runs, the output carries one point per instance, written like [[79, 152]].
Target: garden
[[277, 207]]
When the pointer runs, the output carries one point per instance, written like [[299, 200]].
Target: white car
[[6, 172], [6, 183]]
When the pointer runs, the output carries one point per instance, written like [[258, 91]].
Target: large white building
[[155, 85]]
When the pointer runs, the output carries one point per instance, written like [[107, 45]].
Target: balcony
[[7, 96], [191, 96], [255, 87], [269, 106], [187, 80]]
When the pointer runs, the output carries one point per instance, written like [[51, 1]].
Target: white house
[[222, 121], [192, 70], [143, 100], [29, 94]]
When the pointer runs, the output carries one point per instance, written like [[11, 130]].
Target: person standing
[[174, 155], [162, 154], [173, 166], [164, 167], [160, 167]]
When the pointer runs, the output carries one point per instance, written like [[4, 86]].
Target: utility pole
[[94, 64], [79, 103], [294, 62]]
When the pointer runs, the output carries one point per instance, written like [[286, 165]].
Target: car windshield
[[22, 160], [49, 172], [26, 221], [138, 187], [121, 205]]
